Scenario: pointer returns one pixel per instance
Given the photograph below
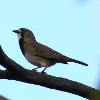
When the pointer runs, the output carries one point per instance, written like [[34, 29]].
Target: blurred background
[[69, 26]]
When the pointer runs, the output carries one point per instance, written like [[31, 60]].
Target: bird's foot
[[34, 70], [43, 73], [44, 70]]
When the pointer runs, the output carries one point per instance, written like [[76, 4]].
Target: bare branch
[[3, 98], [17, 72]]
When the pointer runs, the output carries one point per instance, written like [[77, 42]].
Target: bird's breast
[[38, 61]]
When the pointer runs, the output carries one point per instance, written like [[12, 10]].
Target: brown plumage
[[39, 54]]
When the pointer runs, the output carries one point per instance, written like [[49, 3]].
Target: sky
[[70, 27]]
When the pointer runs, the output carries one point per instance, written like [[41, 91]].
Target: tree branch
[[17, 72], [3, 98]]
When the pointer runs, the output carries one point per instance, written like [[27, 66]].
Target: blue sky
[[68, 26]]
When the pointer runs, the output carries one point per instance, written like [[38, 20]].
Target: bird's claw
[[34, 70], [43, 73]]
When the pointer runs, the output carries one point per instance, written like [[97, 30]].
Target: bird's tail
[[77, 61]]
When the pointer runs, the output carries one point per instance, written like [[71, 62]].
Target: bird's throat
[[19, 36]]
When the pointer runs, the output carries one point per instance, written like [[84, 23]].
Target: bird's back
[[48, 53]]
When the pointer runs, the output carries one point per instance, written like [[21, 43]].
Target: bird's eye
[[21, 29]]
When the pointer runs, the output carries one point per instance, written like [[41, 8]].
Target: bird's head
[[24, 33]]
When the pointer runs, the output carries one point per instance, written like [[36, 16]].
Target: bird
[[39, 54]]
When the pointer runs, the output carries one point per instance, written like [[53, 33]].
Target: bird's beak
[[16, 31]]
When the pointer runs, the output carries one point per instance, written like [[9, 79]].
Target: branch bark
[[3, 98], [16, 72]]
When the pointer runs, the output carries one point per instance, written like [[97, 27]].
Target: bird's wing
[[46, 52]]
